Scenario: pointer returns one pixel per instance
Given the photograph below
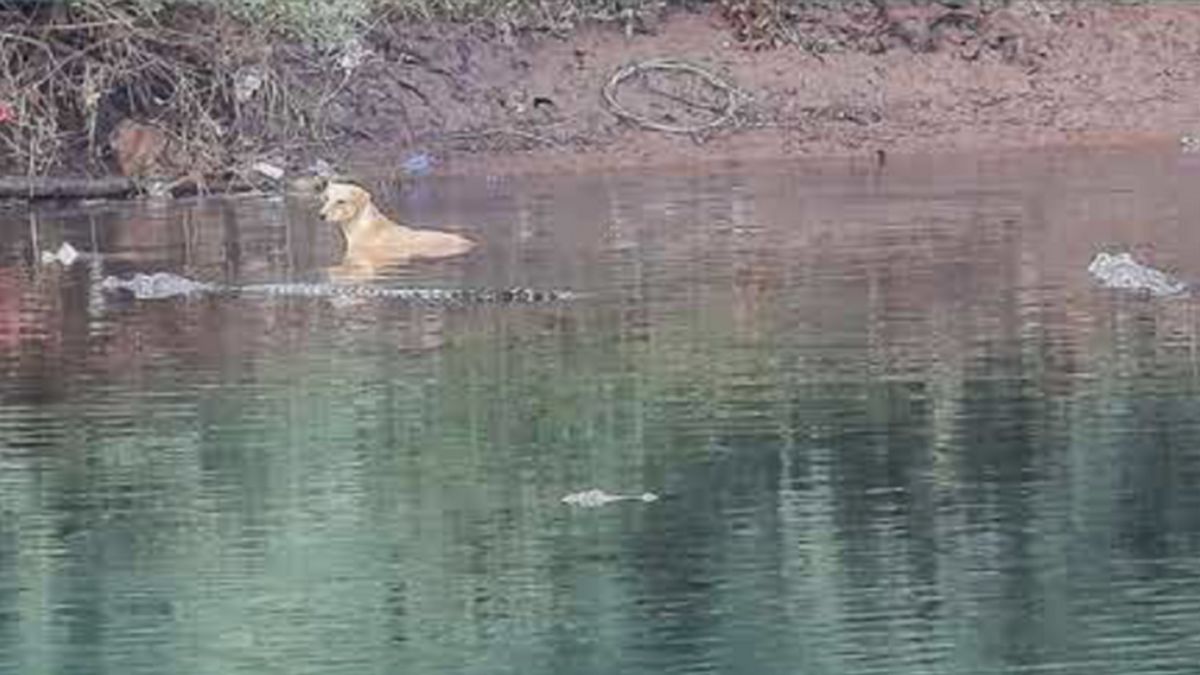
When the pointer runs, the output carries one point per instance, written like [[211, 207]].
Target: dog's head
[[343, 202]]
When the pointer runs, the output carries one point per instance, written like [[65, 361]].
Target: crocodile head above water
[[156, 285]]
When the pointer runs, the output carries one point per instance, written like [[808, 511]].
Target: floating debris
[[1122, 271], [66, 255], [593, 498]]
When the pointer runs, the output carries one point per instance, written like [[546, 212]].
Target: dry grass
[[215, 84], [215, 75]]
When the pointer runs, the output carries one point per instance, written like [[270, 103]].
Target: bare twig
[[69, 75], [482, 134], [727, 113]]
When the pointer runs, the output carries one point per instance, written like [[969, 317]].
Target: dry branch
[[723, 115], [70, 75]]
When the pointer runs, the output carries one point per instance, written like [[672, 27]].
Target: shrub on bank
[[324, 22], [226, 77], [221, 77]]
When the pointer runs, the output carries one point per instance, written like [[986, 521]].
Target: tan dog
[[373, 241]]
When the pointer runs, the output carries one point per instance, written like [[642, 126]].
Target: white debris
[[247, 82], [593, 498], [157, 189], [267, 169], [322, 169], [353, 54], [65, 255], [1122, 271]]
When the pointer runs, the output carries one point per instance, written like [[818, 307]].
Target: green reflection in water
[[891, 435]]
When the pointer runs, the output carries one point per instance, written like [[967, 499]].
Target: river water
[[893, 426]]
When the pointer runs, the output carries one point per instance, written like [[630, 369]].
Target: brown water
[[894, 426]]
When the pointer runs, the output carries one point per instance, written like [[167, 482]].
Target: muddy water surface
[[894, 428]]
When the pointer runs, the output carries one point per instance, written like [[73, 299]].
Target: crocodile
[[1121, 271], [160, 285]]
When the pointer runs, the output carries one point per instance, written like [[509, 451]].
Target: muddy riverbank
[[864, 79], [1022, 77]]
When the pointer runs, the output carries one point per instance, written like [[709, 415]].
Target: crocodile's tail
[[521, 295], [505, 296]]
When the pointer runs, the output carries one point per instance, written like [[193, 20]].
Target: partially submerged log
[[42, 187], [116, 187]]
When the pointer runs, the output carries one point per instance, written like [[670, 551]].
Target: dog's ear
[[359, 198]]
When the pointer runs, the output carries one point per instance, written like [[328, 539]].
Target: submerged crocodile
[[159, 285], [1121, 271]]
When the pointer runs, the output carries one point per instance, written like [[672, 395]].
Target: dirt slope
[[915, 80]]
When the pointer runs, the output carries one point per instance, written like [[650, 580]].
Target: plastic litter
[[267, 169], [419, 164], [66, 255], [247, 82]]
